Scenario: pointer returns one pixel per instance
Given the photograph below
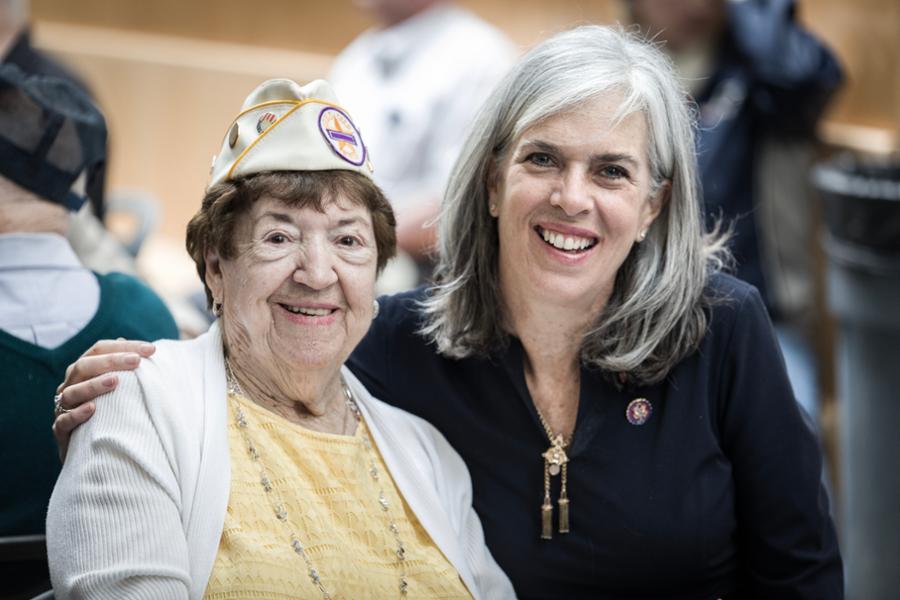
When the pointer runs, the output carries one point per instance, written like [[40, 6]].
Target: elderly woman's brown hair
[[213, 227]]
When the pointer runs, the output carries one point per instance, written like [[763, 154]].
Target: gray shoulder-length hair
[[655, 315]]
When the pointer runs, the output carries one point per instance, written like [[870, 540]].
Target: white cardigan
[[139, 507]]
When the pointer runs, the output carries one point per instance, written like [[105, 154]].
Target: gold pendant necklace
[[278, 505], [555, 462]]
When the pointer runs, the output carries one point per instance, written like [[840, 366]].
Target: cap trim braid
[[297, 105]]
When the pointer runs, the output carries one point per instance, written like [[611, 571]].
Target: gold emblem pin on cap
[[233, 135]]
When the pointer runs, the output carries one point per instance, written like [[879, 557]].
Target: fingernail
[[109, 381], [146, 348], [90, 407], [132, 359]]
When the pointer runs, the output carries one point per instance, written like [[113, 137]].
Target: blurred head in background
[[52, 150], [391, 12], [13, 18], [681, 24]]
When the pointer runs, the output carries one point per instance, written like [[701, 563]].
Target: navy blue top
[[717, 494]]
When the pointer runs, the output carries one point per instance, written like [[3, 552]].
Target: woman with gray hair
[[622, 406]]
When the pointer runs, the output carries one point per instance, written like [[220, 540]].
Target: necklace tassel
[[547, 520], [564, 515], [547, 506], [564, 502]]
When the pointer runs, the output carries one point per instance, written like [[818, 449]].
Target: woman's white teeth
[[566, 242], [310, 312]]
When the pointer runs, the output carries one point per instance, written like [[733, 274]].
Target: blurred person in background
[[16, 47], [415, 82], [96, 247], [52, 309], [761, 82], [621, 405]]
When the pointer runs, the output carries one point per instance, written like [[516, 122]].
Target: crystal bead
[[401, 552], [383, 501], [403, 585], [314, 575], [241, 420], [394, 529], [374, 473], [298, 547], [280, 512], [267, 485]]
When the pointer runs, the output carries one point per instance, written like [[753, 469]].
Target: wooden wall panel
[[311, 25], [866, 36], [315, 26]]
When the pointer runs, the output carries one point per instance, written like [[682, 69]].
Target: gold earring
[[493, 209], [642, 235]]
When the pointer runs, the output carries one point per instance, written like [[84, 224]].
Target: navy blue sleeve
[[785, 530], [795, 74]]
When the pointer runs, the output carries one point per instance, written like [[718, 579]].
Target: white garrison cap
[[287, 127]]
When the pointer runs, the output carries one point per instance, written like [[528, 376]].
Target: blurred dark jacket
[[35, 62], [772, 80]]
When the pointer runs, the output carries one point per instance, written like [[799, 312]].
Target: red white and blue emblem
[[638, 411], [265, 121], [342, 135]]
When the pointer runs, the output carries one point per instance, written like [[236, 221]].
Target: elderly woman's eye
[[348, 240], [277, 238]]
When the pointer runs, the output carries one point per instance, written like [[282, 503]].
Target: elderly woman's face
[[571, 198], [300, 290]]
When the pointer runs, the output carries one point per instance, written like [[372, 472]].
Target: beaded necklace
[[278, 505]]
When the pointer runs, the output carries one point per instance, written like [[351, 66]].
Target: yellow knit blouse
[[332, 504]]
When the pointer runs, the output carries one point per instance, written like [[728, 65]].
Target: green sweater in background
[[29, 376]]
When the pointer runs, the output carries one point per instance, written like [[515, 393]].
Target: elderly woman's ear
[[213, 276]]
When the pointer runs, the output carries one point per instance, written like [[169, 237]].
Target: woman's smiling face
[[299, 292], [571, 198]]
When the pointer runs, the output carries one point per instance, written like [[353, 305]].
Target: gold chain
[[278, 505], [555, 462]]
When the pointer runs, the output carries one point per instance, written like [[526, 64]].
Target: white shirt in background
[[46, 295], [413, 90]]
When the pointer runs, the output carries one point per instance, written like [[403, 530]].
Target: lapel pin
[[638, 411]]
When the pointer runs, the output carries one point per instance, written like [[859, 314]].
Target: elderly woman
[[249, 462], [622, 406]]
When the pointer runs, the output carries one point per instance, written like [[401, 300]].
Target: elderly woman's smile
[[301, 285], [315, 313]]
